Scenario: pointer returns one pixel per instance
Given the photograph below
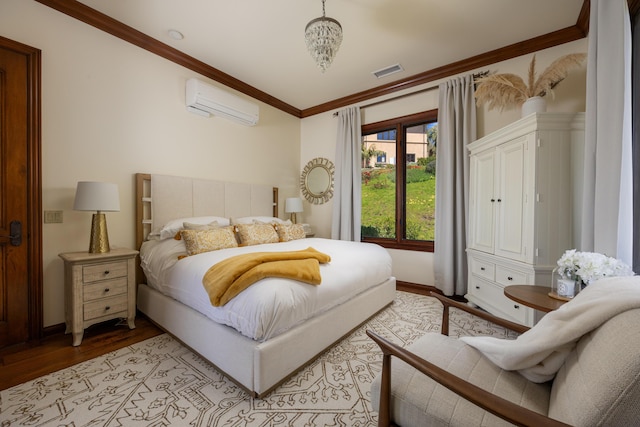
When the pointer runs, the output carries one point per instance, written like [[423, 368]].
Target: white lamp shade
[[97, 196], [293, 205]]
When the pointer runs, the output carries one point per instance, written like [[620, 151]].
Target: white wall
[[319, 135], [111, 109]]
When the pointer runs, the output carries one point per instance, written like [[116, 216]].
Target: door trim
[[33, 230]]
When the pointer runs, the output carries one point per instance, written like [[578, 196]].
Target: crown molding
[[90, 16]]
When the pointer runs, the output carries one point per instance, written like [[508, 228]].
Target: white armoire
[[520, 208]]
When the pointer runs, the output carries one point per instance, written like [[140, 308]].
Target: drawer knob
[[516, 306], [107, 308], [106, 289], [493, 200], [482, 268], [509, 278], [477, 287], [106, 272]]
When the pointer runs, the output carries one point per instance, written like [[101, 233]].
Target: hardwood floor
[[24, 363]]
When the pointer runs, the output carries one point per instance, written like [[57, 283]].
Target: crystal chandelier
[[323, 36]]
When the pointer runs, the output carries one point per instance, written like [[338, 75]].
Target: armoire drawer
[[507, 276], [483, 269], [496, 302]]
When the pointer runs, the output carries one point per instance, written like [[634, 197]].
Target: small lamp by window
[[293, 205], [99, 197]]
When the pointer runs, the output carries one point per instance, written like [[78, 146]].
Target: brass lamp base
[[99, 242], [293, 217]]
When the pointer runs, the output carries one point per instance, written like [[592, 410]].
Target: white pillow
[[257, 219], [170, 229]]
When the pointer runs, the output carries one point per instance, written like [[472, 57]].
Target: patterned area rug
[[159, 382]]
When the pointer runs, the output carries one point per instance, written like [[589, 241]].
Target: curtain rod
[[475, 76]]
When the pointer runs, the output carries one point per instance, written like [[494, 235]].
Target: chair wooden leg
[[445, 319], [384, 413]]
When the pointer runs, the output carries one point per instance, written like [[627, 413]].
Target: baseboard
[[416, 288]]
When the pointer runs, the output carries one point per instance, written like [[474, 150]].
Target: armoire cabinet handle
[[509, 278]]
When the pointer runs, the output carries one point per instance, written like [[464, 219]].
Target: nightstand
[[308, 230], [98, 287]]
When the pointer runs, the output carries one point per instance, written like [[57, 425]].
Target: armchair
[[439, 380]]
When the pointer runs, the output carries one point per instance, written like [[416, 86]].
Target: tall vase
[[535, 104]]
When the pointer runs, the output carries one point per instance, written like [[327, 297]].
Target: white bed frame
[[258, 367]]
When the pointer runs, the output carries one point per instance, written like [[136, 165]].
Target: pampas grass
[[504, 91]]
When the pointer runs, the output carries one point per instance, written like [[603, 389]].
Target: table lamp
[[293, 205], [99, 197]]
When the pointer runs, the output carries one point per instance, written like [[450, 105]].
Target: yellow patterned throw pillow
[[199, 241], [287, 232], [257, 234]]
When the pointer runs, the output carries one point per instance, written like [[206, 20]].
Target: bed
[[255, 341]]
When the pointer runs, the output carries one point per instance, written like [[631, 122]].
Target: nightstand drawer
[[107, 270], [105, 307], [105, 288]]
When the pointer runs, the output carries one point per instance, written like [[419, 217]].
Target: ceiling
[[261, 43]]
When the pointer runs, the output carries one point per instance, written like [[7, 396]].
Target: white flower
[[590, 266]]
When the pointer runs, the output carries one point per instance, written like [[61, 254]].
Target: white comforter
[[270, 306]]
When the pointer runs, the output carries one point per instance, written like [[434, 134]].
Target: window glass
[[398, 200]]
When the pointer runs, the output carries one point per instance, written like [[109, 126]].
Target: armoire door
[[511, 199], [20, 241], [482, 198]]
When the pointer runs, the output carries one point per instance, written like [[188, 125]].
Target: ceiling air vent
[[396, 68]]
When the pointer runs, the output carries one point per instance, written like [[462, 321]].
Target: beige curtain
[[347, 195], [456, 129], [607, 212]]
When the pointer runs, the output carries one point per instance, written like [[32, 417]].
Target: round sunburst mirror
[[316, 180]]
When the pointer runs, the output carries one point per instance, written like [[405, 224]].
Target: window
[[388, 135], [398, 198]]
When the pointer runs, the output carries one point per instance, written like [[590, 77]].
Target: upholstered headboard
[[161, 198]]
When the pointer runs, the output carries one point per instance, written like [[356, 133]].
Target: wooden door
[[20, 231]]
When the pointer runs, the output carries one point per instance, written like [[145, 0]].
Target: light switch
[[52, 217]]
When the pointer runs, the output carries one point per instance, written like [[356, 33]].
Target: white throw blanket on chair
[[540, 352]]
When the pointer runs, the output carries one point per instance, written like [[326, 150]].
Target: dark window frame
[[400, 124]]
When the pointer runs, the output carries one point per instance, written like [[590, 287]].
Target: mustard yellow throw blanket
[[231, 276]]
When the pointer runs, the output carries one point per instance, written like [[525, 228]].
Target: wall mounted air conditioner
[[205, 100]]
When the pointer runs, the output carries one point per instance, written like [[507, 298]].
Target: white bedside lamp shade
[[293, 205], [99, 197]]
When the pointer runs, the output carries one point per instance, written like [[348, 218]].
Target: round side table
[[533, 296]]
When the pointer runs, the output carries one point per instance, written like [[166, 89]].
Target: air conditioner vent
[[396, 68]]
